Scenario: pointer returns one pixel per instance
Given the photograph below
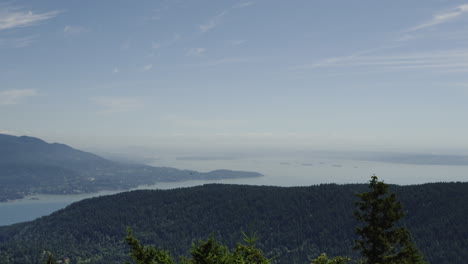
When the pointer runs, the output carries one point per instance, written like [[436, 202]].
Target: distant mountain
[[30, 165], [294, 224]]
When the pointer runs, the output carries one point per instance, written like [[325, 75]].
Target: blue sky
[[230, 75]]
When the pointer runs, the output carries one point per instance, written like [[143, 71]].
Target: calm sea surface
[[278, 171]]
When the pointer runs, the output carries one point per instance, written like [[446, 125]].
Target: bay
[[277, 171]]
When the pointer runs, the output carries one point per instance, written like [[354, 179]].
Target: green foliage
[[210, 251], [50, 259], [47, 258], [249, 253], [323, 259], [146, 254], [382, 241]]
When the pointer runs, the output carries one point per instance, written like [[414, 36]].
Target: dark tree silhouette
[[382, 240]]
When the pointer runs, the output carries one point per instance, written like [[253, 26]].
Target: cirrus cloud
[[117, 104], [14, 18], [195, 51], [442, 17], [69, 30], [212, 22], [15, 96]]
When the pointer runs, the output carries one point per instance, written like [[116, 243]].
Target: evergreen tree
[[382, 240], [209, 252], [50, 259], [249, 253], [146, 254], [46, 258], [213, 252]]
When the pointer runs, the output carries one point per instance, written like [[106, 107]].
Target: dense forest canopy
[[294, 224]]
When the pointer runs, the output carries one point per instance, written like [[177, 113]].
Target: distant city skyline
[[233, 75]]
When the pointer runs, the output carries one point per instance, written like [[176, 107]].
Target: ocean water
[[300, 171], [277, 171]]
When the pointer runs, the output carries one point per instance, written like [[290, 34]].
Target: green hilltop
[[294, 224]]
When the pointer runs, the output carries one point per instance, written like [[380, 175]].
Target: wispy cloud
[[14, 18], [195, 51], [24, 42], [442, 17], [15, 96], [147, 67], [243, 5], [18, 42], [69, 30], [341, 60], [446, 61], [115, 70], [236, 42], [212, 22], [186, 122], [438, 35], [158, 13], [114, 104], [450, 60], [126, 44], [167, 42], [224, 61]]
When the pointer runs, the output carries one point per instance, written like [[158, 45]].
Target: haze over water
[[277, 171]]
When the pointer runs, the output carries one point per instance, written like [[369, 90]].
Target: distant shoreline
[[31, 196]]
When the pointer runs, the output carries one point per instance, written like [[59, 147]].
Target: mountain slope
[[294, 223], [30, 165], [30, 150]]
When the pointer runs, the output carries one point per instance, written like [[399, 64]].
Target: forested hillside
[[294, 224]]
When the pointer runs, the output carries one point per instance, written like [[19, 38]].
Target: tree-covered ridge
[[382, 239], [294, 224], [29, 165]]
